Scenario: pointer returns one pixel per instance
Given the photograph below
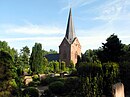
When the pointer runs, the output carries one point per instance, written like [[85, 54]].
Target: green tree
[[111, 50], [24, 56], [56, 67], [5, 47], [57, 88], [45, 65], [62, 67], [52, 51], [31, 92], [36, 58], [7, 75], [89, 56], [110, 76]]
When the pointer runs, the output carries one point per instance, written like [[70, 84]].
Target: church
[[70, 47]]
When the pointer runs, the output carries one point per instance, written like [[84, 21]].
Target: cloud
[[112, 10], [47, 42], [32, 29], [76, 3]]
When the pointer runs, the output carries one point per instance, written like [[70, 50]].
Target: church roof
[[70, 32], [52, 57]]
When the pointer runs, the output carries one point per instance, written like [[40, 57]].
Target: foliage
[[35, 78], [57, 87], [111, 50], [52, 51], [5, 47], [36, 59], [89, 56], [71, 86], [34, 83], [45, 65], [110, 76], [97, 78], [125, 74], [48, 93], [56, 67], [24, 57], [73, 72], [62, 67], [49, 52], [31, 91], [89, 69], [7, 74], [49, 80]]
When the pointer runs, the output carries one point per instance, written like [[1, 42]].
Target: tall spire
[[70, 32]]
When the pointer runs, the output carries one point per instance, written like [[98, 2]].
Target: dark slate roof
[[52, 57], [70, 32]]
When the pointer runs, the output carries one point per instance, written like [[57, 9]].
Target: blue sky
[[24, 22]]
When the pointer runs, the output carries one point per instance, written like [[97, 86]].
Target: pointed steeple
[[70, 32]]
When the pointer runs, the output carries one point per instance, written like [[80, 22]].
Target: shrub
[[48, 80], [73, 72], [47, 93], [71, 85], [36, 78], [33, 84], [31, 91], [62, 66], [57, 87]]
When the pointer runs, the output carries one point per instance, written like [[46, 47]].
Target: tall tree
[[7, 75], [24, 56], [36, 58], [5, 47], [111, 50]]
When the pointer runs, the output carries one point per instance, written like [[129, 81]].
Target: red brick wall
[[68, 52]]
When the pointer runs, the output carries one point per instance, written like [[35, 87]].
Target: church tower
[[70, 47]]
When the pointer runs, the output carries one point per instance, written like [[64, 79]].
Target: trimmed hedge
[[31, 91]]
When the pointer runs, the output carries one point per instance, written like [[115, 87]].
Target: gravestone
[[118, 90]]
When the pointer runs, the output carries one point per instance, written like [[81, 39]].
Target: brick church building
[[70, 47]]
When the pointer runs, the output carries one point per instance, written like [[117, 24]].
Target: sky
[[25, 22]]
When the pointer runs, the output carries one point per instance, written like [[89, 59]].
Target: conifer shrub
[[57, 87], [31, 91]]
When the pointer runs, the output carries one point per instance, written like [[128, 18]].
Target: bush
[[62, 66], [73, 72], [34, 84], [48, 80], [47, 93], [57, 87], [71, 85], [31, 91], [36, 78]]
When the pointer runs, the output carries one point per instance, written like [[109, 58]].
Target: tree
[[36, 58], [52, 51], [62, 67], [110, 76], [7, 75], [57, 87], [31, 92], [56, 67], [5, 47], [111, 50], [24, 56], [45, 65]]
